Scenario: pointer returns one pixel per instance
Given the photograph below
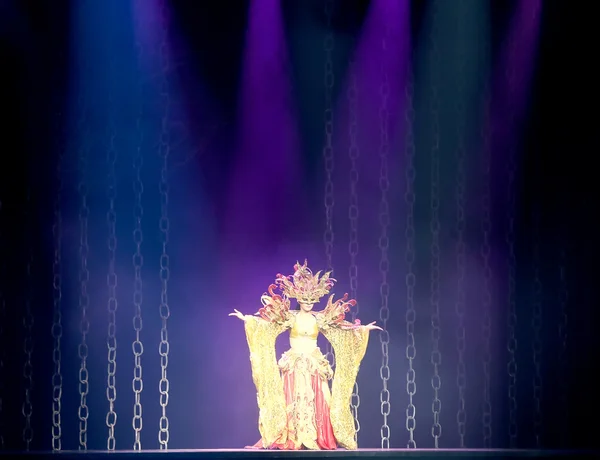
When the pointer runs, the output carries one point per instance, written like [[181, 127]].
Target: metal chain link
[[138, 261], [537, 330], [384, 247], [460, 305], [353, 214], [328, 157], [84, 276], [164, 150], [512, 261], [436, 355], [486, 228], [57, 329], [27, 407], [411, 314], [111, 280]]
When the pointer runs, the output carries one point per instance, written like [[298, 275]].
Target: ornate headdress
[[307, 288], [303, 285]]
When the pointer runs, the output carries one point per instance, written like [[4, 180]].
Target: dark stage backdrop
[[161, 162]]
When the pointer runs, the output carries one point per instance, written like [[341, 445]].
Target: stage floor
[[241, 454]]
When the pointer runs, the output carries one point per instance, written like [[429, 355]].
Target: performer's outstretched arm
[[239, 315], [262, 330], [349, 341]]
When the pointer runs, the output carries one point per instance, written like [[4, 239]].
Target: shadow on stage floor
[[241, 454]]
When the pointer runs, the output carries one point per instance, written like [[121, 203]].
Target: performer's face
[[305, 306]]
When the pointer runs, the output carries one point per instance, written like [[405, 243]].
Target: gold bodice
[[304, 333], [305, 327]]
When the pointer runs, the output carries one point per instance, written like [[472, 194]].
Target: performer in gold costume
[[297, 409]]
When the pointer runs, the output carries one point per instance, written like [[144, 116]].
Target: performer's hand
[[238, 315], [371, 326]]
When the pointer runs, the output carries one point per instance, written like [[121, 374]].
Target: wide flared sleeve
[[349, 342], [349, 346], [261, 337], [262, 330]]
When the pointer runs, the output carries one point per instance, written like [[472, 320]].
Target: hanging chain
[[411, 314], [3, 285], [563, 322], [27, 408], [486, 227], [111, 217], [460, 306], [328, 157], [512, 262], [564, 306], [537, 329], [384, 247], [84, 276], [353, 215], [537, 310], [563, 325], [436, 355], [57, 329], [138, 261], [164, 150]]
